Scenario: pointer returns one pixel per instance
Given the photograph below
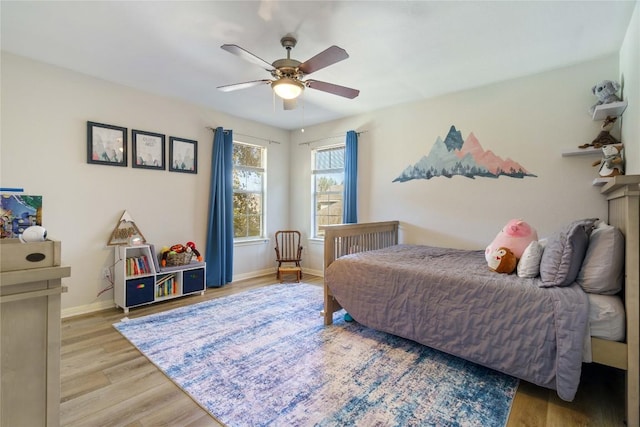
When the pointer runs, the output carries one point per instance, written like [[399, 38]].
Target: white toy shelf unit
[[140, 280]]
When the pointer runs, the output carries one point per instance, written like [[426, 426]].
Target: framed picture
[[106, 144], [147, 150], [183, 155]]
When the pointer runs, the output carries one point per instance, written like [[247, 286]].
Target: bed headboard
[[623, 196]]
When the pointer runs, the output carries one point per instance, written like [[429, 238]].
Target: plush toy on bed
[[502, 260], [516, 236], [605, 91]]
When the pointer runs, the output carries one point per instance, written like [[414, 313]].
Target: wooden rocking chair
[[288, 251]]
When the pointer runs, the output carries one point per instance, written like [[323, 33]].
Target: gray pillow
[[602, 271], [564, 253]]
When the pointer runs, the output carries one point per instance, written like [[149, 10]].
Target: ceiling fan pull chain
[[302, 101]]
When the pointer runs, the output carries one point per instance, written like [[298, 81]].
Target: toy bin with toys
[[179, 254]]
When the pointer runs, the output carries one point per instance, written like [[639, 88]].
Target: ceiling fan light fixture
[[287, 88]]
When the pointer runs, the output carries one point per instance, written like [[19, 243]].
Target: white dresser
[[30, 293]]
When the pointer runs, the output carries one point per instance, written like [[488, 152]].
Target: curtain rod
[[270, 141], [329, 137]]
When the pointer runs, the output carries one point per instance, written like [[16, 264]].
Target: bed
[[511, 324]]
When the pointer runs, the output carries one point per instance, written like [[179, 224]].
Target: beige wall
[[44, 115], [530, 120], [630, 78]]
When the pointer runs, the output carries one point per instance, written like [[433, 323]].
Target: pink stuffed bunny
[[516, 236]]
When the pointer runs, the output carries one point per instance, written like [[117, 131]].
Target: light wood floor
[[107, 382]]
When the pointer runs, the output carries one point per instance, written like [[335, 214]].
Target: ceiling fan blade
[[325, 58], [247, 56], [290, 104], [245, 85], [347, 92]]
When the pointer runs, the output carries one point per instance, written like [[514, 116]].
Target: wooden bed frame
[[623, 195]]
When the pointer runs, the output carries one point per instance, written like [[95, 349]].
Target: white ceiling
[[400, 51]]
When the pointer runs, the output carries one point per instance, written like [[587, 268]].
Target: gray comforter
[[448, 299]]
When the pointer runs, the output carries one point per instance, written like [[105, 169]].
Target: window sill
[[250, 242]]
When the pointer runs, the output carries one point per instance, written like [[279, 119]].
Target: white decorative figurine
[[612, 162], [35, 233]]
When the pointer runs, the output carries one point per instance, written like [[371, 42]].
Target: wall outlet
[[106, 273]]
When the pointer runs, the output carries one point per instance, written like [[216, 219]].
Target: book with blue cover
[[17, 212]]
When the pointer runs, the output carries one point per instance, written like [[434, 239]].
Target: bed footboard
[[344, 239], [623, 195]]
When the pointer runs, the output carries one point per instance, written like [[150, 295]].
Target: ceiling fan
[[288, 73]]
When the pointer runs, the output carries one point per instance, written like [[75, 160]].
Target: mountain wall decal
[[455, 156]]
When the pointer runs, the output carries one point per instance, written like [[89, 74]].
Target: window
[[328, 184], [248, 191]]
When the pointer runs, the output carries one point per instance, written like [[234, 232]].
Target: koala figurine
[[606, 93]]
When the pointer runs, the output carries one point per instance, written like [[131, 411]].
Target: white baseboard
[[253, 274], [86, 309], [103, 305], [268, 271], [313, 272]]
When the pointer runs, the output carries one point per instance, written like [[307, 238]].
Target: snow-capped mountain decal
[[455, 156]]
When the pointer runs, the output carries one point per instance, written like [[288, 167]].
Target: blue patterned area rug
[[264, 357]]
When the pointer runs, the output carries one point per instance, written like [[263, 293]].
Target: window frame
[[263, 193], [315, 231]]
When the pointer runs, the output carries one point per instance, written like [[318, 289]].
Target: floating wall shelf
[[601, 181], [589, 151], [613, 109]]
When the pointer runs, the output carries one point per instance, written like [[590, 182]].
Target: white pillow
[[602, 270], [529, 264]]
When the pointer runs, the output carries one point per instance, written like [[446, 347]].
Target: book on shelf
[[154, 258], [166, 286], [138, 265]]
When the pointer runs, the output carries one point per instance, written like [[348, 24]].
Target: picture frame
[[183, 155], [106, 144], [147, 150]]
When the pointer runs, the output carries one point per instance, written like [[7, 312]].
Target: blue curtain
[[350, 211], [219, 254]]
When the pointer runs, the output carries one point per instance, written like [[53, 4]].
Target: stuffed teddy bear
[[612, 162], [606, 93], [603, 138], [502, 260], [515, 236]]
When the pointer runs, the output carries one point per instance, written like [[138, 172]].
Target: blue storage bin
[[193, 280], [139, 290]]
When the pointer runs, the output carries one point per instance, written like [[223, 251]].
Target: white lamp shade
[[287, 88]]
